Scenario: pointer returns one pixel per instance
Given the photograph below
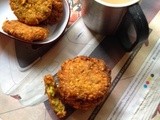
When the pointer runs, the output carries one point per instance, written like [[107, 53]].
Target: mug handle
[[134, 18]]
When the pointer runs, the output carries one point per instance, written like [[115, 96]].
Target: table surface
[[11, 109]]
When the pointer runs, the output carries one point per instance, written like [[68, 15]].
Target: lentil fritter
[[83, 81], [51, 91], [25, 32], [31, 12], [56, 13]]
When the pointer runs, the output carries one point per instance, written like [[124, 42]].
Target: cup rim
[[117, 5]]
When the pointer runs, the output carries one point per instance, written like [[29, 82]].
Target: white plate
[[55, 31]]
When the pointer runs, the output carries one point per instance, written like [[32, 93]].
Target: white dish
[[55, 31]]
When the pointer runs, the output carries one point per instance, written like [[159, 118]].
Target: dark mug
[[124, 20]]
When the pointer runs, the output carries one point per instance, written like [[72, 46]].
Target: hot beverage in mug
[[118, 18]]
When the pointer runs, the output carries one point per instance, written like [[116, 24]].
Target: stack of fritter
[[83, 82], [31, 15]]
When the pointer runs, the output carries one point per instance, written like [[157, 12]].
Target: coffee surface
[[115, 1]]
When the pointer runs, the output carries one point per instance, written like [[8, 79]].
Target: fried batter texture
[[24, 32], [56, 14], [55, 102], [31, 12], [83, 81]]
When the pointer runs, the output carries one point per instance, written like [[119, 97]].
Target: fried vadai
[[31, 12], [83, 81], [56, 14], [51, 91], [24, 32]]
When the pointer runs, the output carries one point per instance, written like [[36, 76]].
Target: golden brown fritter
[[31, 12], [24, 32], [83, 81], [56, 14], [54, 100]]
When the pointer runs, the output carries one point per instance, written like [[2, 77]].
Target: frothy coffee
[[115, 1]]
